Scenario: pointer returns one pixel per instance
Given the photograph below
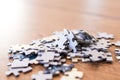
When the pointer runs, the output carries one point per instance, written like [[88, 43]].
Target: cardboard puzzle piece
[[105, 35], [20, 64], [55, 70], [47, 56], [42, 76], [69, 78], [61, 41], [97, 56], [72, 42], [15, 48], [101, 45], [73, 74], [117, 44], [17, 71], [109, 57], [74, 56]]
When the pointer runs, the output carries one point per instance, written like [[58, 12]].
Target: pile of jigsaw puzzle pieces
[[52, 53]]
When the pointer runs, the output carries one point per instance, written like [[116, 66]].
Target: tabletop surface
[[24, 20]]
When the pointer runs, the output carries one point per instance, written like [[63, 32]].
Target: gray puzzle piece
[[117, 44], [109, 57], [20, 64], [105, 35], [17, 71], [97, 56], [55, 70], [15, 48], [61, 42], [46, 57], [72, 42], [117, 51], [42, 76], [101, 45], [74, 74]]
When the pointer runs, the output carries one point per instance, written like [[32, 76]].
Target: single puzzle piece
[[93, 55], [97, 56], [74, 74], [68, 78], [117, 44], [42, 76], [72, 42], [20, 64], [61, 42], [101, 45], [105, 35], [46, 57], [117, 52], [55, 70], [17, 71], [109, 57], [104, 42], [15, 48]]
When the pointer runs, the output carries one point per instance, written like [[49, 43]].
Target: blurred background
[[24, 20]]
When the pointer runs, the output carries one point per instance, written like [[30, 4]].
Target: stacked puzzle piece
[[52, 52]]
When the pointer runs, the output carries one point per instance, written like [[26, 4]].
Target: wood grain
[[24, 20]]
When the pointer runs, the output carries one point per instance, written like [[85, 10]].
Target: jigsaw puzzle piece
[[117, 44], [61, 42], [71, 38], [74, 74], [46, 57], [101, 45], [42, 76], [17, 71], [105, 35], [69, 78], [55, 70], [20, 64]]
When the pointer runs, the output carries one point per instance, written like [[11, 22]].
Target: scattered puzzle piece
[[74, 74], [105, 35], [52, 52], [20, 64], [42, 76], [55, 70], [117, 44], [17, 71], [71, 38]]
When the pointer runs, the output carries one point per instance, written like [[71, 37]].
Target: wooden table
[[24, 20]]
